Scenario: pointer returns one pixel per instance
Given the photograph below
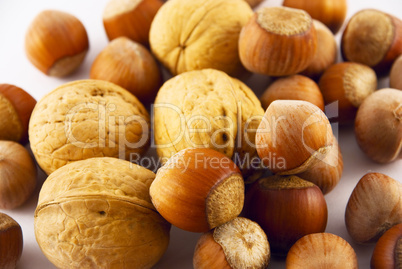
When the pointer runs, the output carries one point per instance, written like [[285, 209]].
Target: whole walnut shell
[[85, 119], [207, 109], [97, 213]]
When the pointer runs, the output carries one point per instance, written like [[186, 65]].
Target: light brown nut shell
[[193, 35], [97, 213], [218, 106], [85, 119]]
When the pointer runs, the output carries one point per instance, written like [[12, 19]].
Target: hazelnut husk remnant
[[321, 250], [56, 43], [374, 206], [278, 41], [198, 190], [388, 250], [373, 38], [378, 125], [85, 119], [239, 243], [11, 242], [182, 38], [16, 106], [287, 208], [97, 213]]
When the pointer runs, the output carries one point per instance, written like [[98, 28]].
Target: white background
[[15, 16]]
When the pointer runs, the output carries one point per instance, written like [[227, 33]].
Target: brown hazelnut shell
[[11, 242], [388, 250]]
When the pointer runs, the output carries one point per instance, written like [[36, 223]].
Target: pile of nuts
[[250, 174]]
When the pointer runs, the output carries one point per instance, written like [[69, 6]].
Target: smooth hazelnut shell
[[17, 175], [194, 192], [254, 3], [240, 243], [11, 242], [56, 43], [348, 84], [287, 208], [378, 126], [321, 250], [358, 44], [131, 66], [274, 54], [374, 206], [326, 54], [294, 87], [292, 135], [23, 104], [387, 253], [332, 13], [395, 77], [133, 23]]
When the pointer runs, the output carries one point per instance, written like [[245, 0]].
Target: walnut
[[97, 213], [85, 119]]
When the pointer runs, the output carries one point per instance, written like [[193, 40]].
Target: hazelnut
[[278, 41], [287, 208], [17, 175], [388, 250], [130, 18], [254, 3], [294, 87], [129, 65], [332, 13], [378, 125], [327, 172], [321, 250], [198, 190], [326, 53], [372, 38], [292, 136], [182, 38], [56, 43], [84, 119], [208, 109], [348, 84], [11, 243], [16, 106], [97, 213], [395, 79], [239, 243], [374, 206]]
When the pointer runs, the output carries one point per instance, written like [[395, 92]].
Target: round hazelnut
[[16, 106], [11, 242], [373, 38], [85, 119], [208, 109], [278, 41], [326, 53], [56, 43], [378, 125], [294, 87], [287, 208], [327, 172], [388, 250], [130, 18], [321, 250], [292, 136], [348, 84], [374, 206], [97, 213], [395, 79], [332, 13], [182, 38], [239, 243], [129, 65], [198, 190], [17, 175]]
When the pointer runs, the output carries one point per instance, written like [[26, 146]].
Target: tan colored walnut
[[193, 35], [97, 213], [85, 119], [208, 109]]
